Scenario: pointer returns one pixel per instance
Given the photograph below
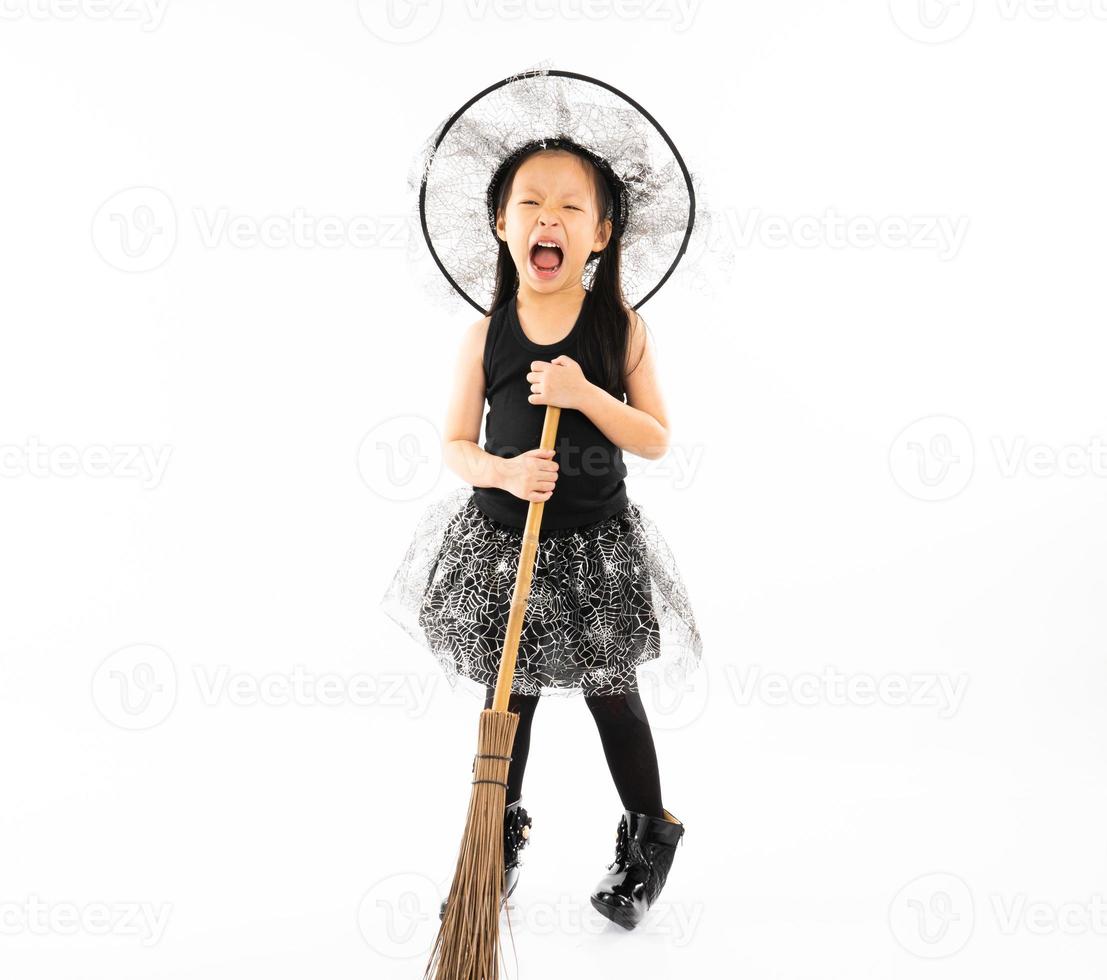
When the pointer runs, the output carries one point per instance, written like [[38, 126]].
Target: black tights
[[627, 744]]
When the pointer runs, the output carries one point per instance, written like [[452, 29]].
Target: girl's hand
[[531, 476], [559, 382]]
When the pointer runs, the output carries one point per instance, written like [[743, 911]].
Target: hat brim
[[465, 152]]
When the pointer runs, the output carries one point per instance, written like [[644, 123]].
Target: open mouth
[[545, 260]]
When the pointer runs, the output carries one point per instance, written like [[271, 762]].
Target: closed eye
[[573, 206]]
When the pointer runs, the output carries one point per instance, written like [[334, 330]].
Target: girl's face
[[552, 200]]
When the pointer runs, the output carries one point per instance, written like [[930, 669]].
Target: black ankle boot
[[644, 851], [516, 833]]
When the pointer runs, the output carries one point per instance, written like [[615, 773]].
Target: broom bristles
[[468, 939]]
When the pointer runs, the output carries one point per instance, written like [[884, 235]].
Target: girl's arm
[[460, 448], [639, 425]]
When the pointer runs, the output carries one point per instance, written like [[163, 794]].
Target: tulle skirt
[[605, 598]]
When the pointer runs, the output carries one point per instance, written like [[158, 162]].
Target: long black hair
[[606, 320]]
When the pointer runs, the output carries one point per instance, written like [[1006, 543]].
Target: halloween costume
[[606, 595]]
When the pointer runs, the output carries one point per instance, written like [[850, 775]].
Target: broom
[[468, 938]]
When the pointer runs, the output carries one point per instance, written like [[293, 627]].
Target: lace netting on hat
[[455, 168]]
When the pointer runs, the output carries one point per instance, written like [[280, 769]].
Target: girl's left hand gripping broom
[[468, 938]]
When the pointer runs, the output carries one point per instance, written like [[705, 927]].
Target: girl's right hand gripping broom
[[468, 938]]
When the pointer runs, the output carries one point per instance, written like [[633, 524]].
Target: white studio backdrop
[[222, 386]]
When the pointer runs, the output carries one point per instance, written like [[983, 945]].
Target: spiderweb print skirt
[[605, 599]]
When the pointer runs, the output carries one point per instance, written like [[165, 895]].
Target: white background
[[886, 470]]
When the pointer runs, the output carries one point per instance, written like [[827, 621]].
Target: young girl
[[606, 595]]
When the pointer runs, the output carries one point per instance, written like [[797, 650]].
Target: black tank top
[[590, 478]]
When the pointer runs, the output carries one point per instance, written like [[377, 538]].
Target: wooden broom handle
[[523, 576]]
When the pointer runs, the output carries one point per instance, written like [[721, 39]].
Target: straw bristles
[[467, 944]]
